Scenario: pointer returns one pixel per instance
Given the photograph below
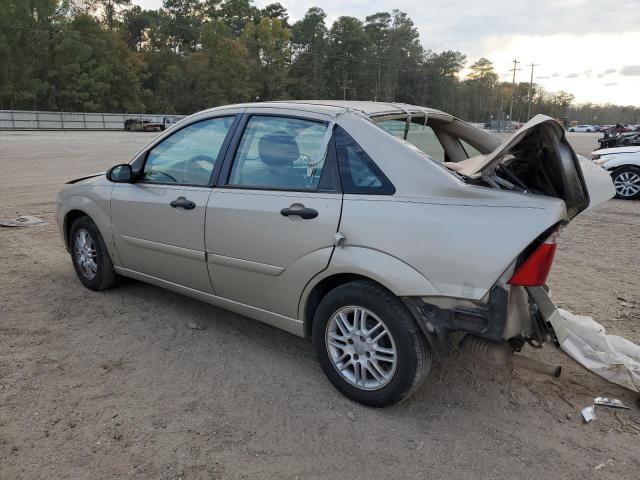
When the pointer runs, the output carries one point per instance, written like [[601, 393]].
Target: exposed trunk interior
[[537, 159]]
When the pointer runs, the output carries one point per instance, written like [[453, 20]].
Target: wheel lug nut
[[362, 339], [356, 356]]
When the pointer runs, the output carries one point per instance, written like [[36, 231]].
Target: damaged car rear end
[[481, 229]]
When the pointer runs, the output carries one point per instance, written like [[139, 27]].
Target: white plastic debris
[[588, 413], [21, 221], [610, 356], [603, 464], [610, 402]]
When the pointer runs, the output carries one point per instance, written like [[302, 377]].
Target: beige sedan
[[375, 229]]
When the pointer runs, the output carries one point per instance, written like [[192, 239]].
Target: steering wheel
[[200, 158], [154, 172]]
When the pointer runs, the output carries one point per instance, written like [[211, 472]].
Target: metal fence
[[35, 120]]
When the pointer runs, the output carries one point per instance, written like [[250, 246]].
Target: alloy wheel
[[627, 184], [361, 348], [85, 254]]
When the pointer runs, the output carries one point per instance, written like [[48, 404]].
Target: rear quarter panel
[[460, 247]]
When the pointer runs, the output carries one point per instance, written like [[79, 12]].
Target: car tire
[[90, 256], [379, 362], [626, 181], [571, 130]]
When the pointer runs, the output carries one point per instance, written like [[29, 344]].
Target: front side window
[[421, 136], [280, 152], [188, 156]]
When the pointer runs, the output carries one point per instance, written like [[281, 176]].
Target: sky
[[590, 48]]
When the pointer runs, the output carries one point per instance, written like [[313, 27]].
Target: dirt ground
[[115, 385]]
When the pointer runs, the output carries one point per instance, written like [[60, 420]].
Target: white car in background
[[623, 163], [584, 128]]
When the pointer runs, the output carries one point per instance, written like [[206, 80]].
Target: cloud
[[607, 72], [573, 75], [611, 84], [630, 70], [555, 75], [545, 77]]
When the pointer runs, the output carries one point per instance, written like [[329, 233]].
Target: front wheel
[[90, 257], [369, 345], [626, 181]]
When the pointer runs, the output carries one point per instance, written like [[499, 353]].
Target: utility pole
[[345, 86], [530, 88], [377, 83], [513, 88]]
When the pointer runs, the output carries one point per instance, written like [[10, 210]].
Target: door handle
[[306, 213], [182, 202]]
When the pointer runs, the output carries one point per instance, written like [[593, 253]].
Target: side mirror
[[120, 174]]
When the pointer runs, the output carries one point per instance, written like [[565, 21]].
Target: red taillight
[[535, 269]]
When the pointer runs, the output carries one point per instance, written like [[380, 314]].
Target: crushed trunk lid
[[538, 159]]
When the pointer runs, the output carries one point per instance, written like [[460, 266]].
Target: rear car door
[[158, 221], [272, 218]]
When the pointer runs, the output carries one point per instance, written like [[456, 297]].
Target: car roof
[[332, 107]]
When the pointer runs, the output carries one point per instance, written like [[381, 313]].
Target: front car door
[[272, 219], [158, 221]]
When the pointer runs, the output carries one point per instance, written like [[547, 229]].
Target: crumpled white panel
[[610, 356]]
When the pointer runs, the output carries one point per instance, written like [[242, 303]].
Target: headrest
[[278, 148]]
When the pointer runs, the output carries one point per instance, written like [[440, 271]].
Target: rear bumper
[[517, 314]]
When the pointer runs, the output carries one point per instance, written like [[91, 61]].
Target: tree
[[105, 55], [237, 14], [481, 84], [309, 44], [564, 99], [95, 70], [268, 46], [276, 10], [345, 51], [135, 22]]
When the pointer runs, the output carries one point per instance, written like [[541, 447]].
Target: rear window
[[421, 136]]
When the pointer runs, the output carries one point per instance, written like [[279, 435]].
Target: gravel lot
[[115, 384]]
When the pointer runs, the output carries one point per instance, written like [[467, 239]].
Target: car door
[[272, 218], [158, 221]]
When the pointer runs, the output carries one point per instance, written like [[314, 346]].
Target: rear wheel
[[90, 257], [369, 345], [626, 181]]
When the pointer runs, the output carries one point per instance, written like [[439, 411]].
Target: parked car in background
[[142, 125], [624, 140], [623, 163], [583, 128], [168, 122], [375, 229]]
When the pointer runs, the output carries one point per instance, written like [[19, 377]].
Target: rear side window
[[280, 153], [358, 172]]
